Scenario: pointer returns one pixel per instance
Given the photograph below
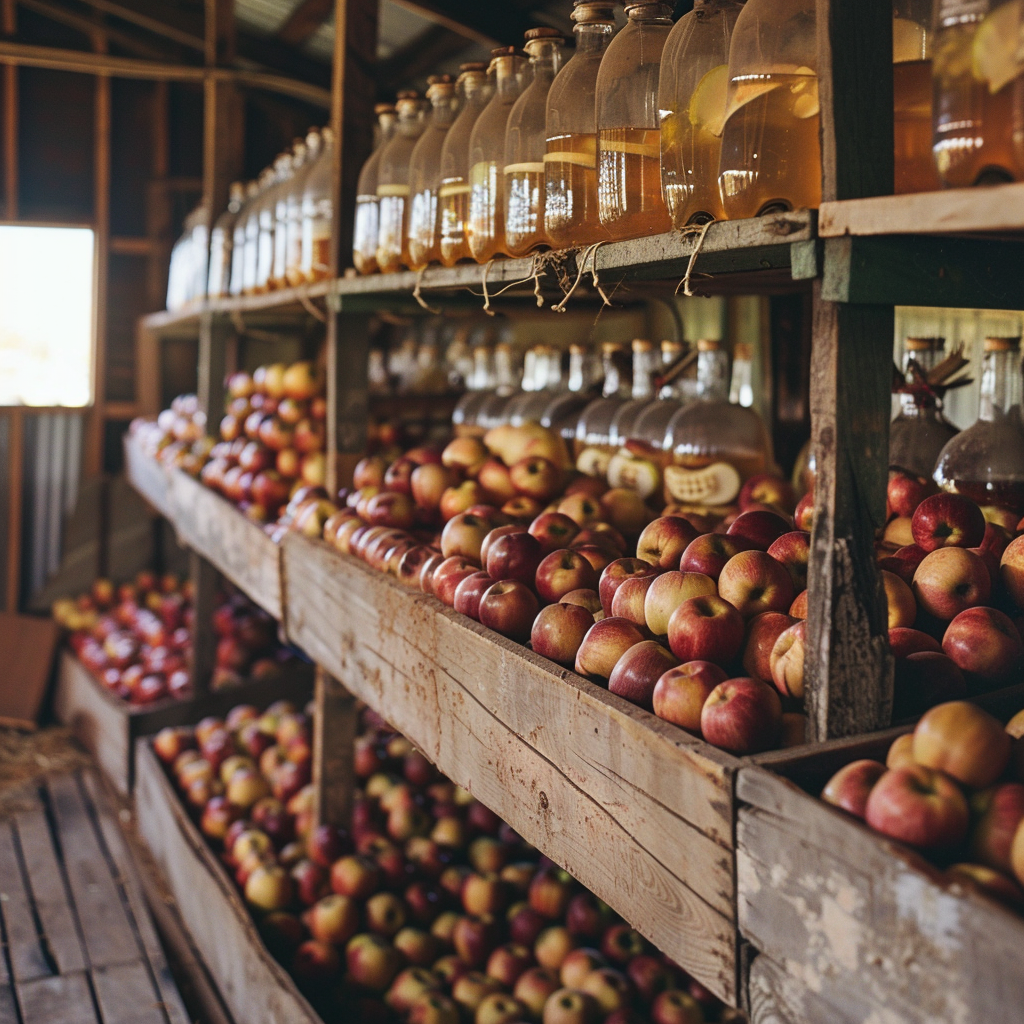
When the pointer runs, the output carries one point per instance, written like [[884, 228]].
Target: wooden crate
[[254, 986], [109, 727], [637, 810], [233, 544], [147, 476], [853, 928]]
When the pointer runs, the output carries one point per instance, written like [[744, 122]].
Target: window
[[46, 315]]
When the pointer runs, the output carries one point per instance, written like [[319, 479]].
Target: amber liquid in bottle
[[570, 172], [771, 153], [696, 199], [912, 127], [629, 176]]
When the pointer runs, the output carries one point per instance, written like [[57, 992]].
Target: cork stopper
[[383, 108], [609, 348], [475, 65], [925, 344], [743, 351], [642, 345], [543, 33], [577, 350], [408, 94], [439, 80], [708, 345], [1002, 344], [668, 346], [593, 12]]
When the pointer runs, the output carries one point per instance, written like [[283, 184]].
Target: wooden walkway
[[78, 944]]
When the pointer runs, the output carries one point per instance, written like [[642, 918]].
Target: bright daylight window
[[46, 315]]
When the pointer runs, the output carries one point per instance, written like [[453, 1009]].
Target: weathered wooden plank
[[206, 586], [335, 726], [776, 997], [109, 936], [27, 956], [845, 911], [146, 475], [238, 547], [126, 995], [49, 893], [8, 1009], [636, 809], [64, 999], [254, 986], [129, 880]]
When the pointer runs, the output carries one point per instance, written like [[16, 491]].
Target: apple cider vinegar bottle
[[296, 194], [506, 387], [562, 412], [691, 103], [915, 169], [771, 152], [593, 442], [425, 174], [365, 235], [453, 195], [629, 195], [525, 139], [221, 242], [485, 229], [986, 462], [318, 213], [977, 67], [393, 185], [571, 216]]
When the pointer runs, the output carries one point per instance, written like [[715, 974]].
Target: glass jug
[[293, 228], [367, 220], [318, 213], [238, 246], [393, 184], [221, 242], [912, 97]]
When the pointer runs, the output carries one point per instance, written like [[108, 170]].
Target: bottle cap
[[408, 94], [543, 33], [383, 108], [439, 80], [611, 347], [576, 349], [476, 65], [1002, 344], [591, 12], [708, 345], [506, 51], [668, 345], [642, 345], [743, 351], [924, 344]]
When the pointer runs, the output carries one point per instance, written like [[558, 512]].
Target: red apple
[[997, 814], [496, 480], [964, 742], [754, 582], [762, 632], [536, 478], [372, 961], [515, 556], [759, 527], [1011, 570], [369, 472], [904, 642], [664, 541], [570, 1006], [598, 555], [461, 498], [665, 593], [616, 573], [767, 489], [947, 520], [468, 594], [427, 483], [905, 492], [606, 642], [793, 550], [803, 517], [950, 580], [554, 531], [558, 632], [448, 575], [463, 535], [676, 1007], [680, 694], [467, 454], [638, 670], [985, 644], [851, 786], [509, 607], [563, 571], [743, 716], [709, 553], [392, 509], [398, 476], [630, 599], [918, 806], [333, 919], [706, 629]]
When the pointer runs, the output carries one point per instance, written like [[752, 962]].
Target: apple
[[630, 598], [901, 752], [964, 742], [493, 536], [905, 492], [430, 566], [484, 894], [586, 916], [553, 945], [472, 987], [991, 883], [522, 508], [598, 555], [372, 961], [1011, 570], [610, 988], [398, 476], [985, 644], [605, 642], [924, 679], [410, 567], [663, 541], [385, 914], [460, 498], [919, 806], [767, 489], [638, 671], [563, 571], [299, 381], [499, 1008], [534, 987], [468, 594], [904, 642], [709, 553], [620, 943], [706, 629], [474, 938], [588, 599], [508, 963], [408, 986], [432, 1008], [509, 607], [743, 716], [355, 876], [315, 962], [997, 814], [428, 483], [667, 592], [515, 556], [536, 478], [392, 509], [762, 632], [754, 582], [569, 1006], [851, 786], [448, 575], [947, 520], [467, 454], [759, 527], [554, 531], [463, 535], [793, 550], [787, 660], [616, 573], [583, 509], [578, 964], [680, 694], [676, 1007], [558, 632], [494, 477], [948, 581], [269, 887], [333, 919], [449, 969]]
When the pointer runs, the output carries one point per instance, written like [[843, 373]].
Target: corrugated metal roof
[[264, 17]]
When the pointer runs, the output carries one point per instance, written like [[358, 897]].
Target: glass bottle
[[479, 387], [485, 229], [593, 445], [645, 365], [318, 213], [977, 87], [393, 184], [199, 253], [364, 235], [571, 215], [252, 231], [453, 195], [912, 97], [239, 239], [313, 147], [692, 100], [653, 420], [425, 173], [268, 222], [285, 202], [986, 462], [535, 379], [715, 444], [771, 152], [549, 385], [629, 195], [562, 412], [493, 411], [525, 142], [221, 242], [920, 431]]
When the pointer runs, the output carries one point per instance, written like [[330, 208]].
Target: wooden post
[[214, 333], [16, 482], [849, 672], [205, 587], [335, 724], [9, 117]]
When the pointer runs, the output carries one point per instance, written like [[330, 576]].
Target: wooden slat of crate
[[256, 989], [109, 727], [843, 910], [125, 995], [27, 957], [238, 547], [62, 999], [636, 809], [8, 1011], [147, 476]]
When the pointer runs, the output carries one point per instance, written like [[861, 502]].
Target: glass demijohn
[[318, 213], [912, 97], [393, 185], [221, 243], [364, 242]]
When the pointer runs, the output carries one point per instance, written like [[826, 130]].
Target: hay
[[27, 757]]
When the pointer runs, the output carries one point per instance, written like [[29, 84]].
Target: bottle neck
[[554, 370], [504, 372], [545, 60], [474, 89], [650, 12], [508, 78], [578, 370], [593, 39], [483, 373], [614, 383], [712, 375], [644, 366], [741, 391], [1000, 383], [444, 108]]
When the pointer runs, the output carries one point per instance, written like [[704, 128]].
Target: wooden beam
[[219, 33], [335, 726], [205, 588], [16, 481], [488, 24], [125, 40], [849, 670], [9, 117], [419, 57], [57, 59], [307, 17]]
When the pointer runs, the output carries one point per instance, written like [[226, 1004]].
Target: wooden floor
[[78, 944]]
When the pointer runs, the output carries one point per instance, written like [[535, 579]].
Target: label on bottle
[[392, 190], [457, 189], [652, 151], [717, 484], [640, 475], [565, 157], [528, 168], [593, 462]]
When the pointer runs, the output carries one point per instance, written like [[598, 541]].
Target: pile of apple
[[136, 638], [272, 439], [954, 579], [953, 789], [177, 437], [428, 909]]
